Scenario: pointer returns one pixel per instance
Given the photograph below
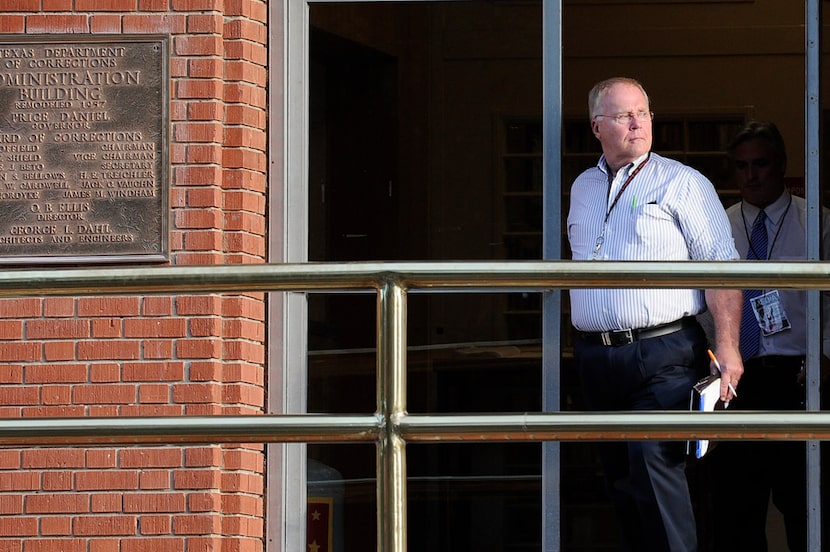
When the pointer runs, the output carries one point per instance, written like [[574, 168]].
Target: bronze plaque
[[84, 130]]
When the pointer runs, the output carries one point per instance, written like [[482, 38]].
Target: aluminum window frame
[[288, 242]]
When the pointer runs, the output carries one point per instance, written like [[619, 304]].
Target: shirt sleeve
[[703, 220]]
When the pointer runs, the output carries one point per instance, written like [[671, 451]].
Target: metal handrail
[[447, 276], [391, 426], [421, 428]]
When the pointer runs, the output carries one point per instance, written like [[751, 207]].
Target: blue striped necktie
[[750, 332]]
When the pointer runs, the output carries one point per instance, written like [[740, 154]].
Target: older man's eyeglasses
[[626, 118]]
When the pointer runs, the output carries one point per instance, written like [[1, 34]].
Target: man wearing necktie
[[768, 223]]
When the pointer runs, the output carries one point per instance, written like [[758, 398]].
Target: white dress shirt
[[786, 231], [668, 212]]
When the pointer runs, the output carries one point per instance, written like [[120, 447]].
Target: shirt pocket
[[651, 218], [656, 235]]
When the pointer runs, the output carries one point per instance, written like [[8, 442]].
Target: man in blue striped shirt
[[643, 349]]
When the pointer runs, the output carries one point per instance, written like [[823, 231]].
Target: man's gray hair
[[601, 88]]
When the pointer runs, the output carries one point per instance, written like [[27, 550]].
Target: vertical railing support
[[391, 402]]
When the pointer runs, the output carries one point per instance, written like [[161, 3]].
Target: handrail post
[[391, 403]]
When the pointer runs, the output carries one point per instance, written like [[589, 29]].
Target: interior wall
[[693, 57], [716, 56]]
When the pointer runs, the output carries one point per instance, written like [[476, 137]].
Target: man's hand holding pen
[[729, 379]]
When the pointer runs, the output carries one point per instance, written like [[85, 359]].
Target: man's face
[[623, 143], [758, 172]]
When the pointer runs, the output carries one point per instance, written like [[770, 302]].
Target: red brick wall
[[153, 355]]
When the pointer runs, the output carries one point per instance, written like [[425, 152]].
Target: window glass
[[425, 144]]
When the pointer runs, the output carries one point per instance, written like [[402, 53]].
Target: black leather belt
[[615, 338]]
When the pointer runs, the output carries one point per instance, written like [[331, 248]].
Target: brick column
[[153, 355]]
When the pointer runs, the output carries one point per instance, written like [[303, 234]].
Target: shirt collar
[[775, 211], [626, 169]]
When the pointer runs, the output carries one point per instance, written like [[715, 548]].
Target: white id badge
[[770, 313]]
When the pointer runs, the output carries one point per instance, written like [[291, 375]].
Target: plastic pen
[[717, 365]]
